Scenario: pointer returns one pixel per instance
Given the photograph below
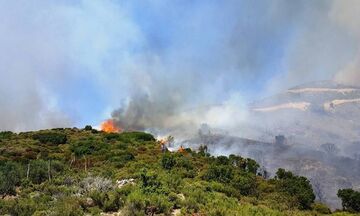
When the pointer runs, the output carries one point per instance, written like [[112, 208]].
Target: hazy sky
[[71, 63]]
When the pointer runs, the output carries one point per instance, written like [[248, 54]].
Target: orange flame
[[109, 126]]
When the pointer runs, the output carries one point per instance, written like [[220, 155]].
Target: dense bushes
[[129, 172], [39, 171], [10, 177], [120, 160], [296, 186], [149, 182], [220, 173], [6, 134], [350, 199], [86, 147], [107, 201], [168, 161], [138, 136], [54, 138], [235, 171], [88, 128]]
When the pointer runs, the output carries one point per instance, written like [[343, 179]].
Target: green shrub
[[168, 161], [67, 206], [10, 177], [184, 162], [296, 186], [85, 147], [54, 138], [222, 160], [38, 172], [172, 180], [112, 136], [224, 188], [245, 183], [248, 165], [107, 201], [57, 166], [321, 208], [160, 202], [135, 204], [122, 159], [88, 128], [195, 199], [220, 173], [6, 206], [149, 182], [6, 135], [350, 199], [138, 136], [23, 207]]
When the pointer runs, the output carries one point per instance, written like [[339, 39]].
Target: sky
[[72, 63]]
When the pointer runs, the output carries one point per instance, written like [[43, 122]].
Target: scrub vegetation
[[70, 171]]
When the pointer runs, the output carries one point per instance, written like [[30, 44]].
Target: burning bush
[[109, 126]]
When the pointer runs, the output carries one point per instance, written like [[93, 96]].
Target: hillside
[[313, 117], [87, 172]]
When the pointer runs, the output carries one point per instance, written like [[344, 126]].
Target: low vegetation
[[88, 172]]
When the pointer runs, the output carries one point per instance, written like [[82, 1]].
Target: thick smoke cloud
[[56, 55], [346, 14], [164, 63], [233, 47]]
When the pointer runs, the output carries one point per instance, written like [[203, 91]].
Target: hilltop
[[70, 171]]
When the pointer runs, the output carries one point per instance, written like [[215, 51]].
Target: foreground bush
[[10, 177], [296, 186], [350, 199]]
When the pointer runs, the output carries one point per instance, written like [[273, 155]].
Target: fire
[[109, 126]]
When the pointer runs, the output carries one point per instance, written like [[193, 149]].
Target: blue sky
[[74, 62]]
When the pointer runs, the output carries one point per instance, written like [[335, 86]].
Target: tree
[[296, 186], [350, 199], [88, 128], [245, 183]]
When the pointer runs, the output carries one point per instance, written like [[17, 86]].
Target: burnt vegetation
[[84, 171]]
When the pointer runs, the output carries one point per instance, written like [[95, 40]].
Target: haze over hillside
[[312, 114], [319, 123]]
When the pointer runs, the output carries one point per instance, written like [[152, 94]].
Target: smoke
[[246, 48], [161, 64], [28, 56], [54, 56], [345, 14]]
